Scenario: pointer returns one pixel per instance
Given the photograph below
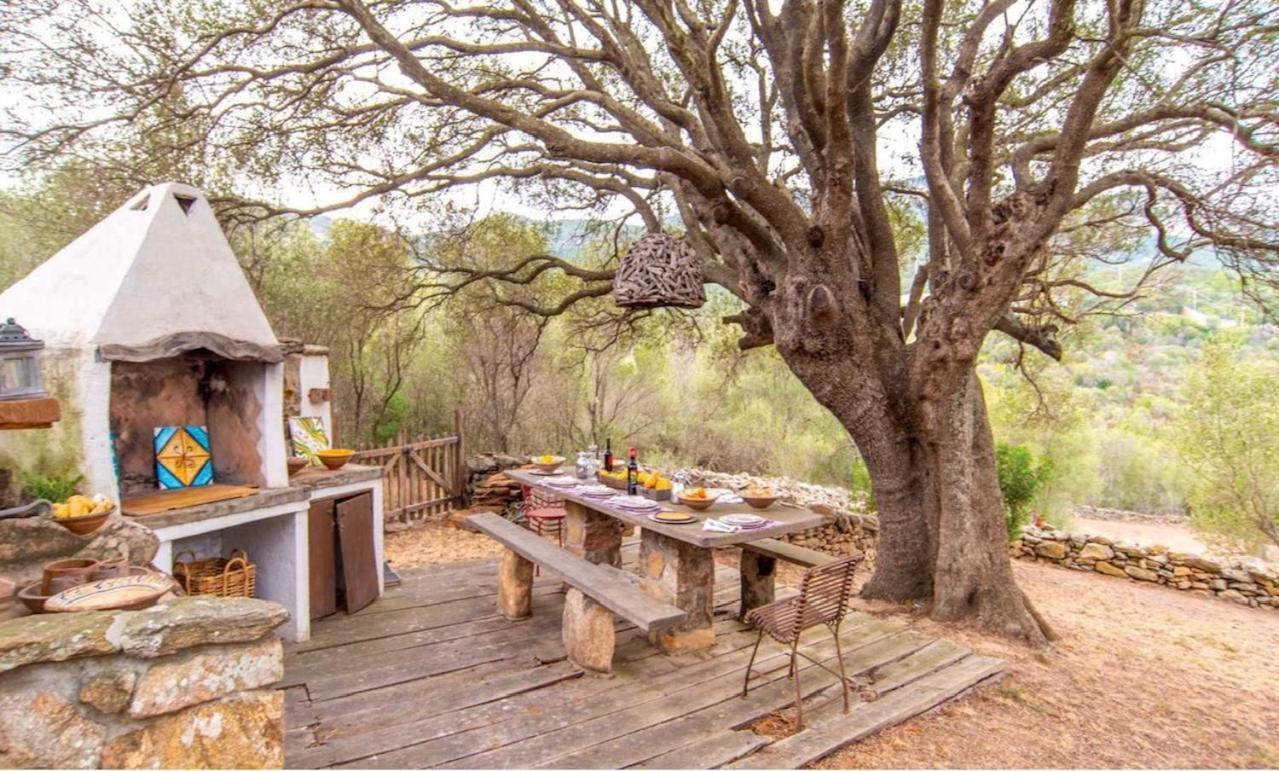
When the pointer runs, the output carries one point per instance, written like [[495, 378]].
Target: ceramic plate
[[743, 520], [561, 481], [597, 491], [672, 518], [136, 591], [635, 502], [728, 498]]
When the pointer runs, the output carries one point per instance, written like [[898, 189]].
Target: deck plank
[[431, 676]]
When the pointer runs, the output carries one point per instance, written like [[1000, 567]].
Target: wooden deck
[[430, 676]]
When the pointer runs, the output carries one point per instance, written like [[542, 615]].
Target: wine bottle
[[632, 472], [608, 454]]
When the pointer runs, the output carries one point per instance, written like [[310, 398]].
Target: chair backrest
[[824, 592]]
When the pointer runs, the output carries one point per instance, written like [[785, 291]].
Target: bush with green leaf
[[50, 487], [1021, 477]]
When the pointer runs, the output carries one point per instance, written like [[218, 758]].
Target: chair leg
[[843, 679], [799, 694], [747, 682]]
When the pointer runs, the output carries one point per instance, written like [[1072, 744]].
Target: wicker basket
[[232, 576]]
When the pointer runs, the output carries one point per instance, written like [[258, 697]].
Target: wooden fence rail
[[421, 479]]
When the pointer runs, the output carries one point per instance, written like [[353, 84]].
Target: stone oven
[[149, 322]]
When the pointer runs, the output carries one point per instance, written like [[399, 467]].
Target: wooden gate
[[420, 479]]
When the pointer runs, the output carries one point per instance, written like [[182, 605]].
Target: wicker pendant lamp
[[659, 271]]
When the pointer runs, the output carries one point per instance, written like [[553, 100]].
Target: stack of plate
[[635, 503], [744, 521], [673, 518], [561, 481], [597, 491]]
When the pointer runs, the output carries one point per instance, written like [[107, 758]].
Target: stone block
[[41, 729], [186, 622], [514, 586], [1053, 550], [1109, 569], [55, 637], [1181, 571], [242, 731], [205, 674], [1141, 574], [588, 633], [1236, 575], [1095, 551], [109, 690], [1233, 596], [1197, 562]]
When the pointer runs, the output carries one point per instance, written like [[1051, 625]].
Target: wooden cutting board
[[168, 500]]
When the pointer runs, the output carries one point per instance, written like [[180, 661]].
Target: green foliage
[[1227, 434], [50, 487], [1021, 477]]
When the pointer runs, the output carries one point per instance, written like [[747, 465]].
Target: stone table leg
[[757, 581], [514, 586], [683, 575], [593, 536]]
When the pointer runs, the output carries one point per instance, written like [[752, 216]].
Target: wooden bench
[[759, 562], [596, 594]]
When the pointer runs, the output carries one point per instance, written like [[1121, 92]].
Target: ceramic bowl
[[556, 462], [296, 463], [131, 592], [64, 574], [30, 596], [335, 458], [87, 523], [759, 501], [698, 504]]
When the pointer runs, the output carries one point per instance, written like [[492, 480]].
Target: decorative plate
[[635, 502], [125, 592], [598, 491], [561, 481], [672, 518], [743, 520]]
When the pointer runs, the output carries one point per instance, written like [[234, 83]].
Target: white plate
[[541, 473], [729, 498], [635, 502], [561, 481], [742, 519], [598, 491]]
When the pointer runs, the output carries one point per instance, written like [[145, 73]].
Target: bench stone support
[[684, 576], [593, 536], [588, 632], [514, 586], [757, 580]]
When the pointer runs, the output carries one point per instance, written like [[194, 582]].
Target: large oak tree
[[783, 135]]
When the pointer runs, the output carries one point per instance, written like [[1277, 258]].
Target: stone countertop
[[319, 478], [180, 623], [272, 496]]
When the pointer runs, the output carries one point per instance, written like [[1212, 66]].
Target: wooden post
[[459, 455], [514, 586]]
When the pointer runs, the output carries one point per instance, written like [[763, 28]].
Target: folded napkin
[[716, 526]]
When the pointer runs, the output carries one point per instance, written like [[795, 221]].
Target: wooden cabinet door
[[359, 561], [322, 538]]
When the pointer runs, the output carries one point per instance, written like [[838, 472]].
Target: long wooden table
[[676, 562]]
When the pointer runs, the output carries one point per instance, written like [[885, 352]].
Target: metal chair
[[823, 600], [543, 513]]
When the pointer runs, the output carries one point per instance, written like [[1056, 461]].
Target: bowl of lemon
[[548, 464], [81, 514]]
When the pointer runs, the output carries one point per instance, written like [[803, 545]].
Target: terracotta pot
[[31, 597], [64, 574], [296, 464], [85, 524], [112, 569], [334, 459]]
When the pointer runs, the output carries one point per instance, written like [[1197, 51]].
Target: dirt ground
[[1142, 677]]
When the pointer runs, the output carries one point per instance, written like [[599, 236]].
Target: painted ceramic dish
[[672, 518], [123, 593]]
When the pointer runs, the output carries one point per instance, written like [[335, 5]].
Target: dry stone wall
[[1245, 581], [183, 684]]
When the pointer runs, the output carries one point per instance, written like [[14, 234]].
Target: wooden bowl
[[335, 458], [556, 462], [698, 504], [296, 463], [30, 596], [760, 501], [87, 523], [64, 574]]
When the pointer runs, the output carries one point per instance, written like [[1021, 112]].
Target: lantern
[[20, 373], [660, 270]]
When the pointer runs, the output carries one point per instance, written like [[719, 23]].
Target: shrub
[[50, 487], [1021, 477]]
